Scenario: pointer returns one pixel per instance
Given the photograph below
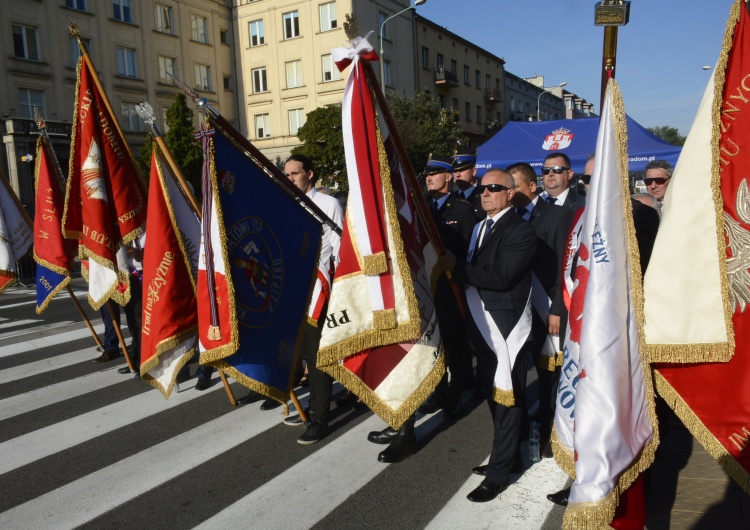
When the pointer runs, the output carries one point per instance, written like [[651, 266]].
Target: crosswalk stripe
[[36, 329], [51, 340], [16, 323], [78, 294], [47, 365]]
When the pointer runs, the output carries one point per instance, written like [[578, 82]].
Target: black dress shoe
[[346, 399], [560, 497], [487, 491], [126, 370], [383, 437], [480, 470], [202, 384], [453, 411], [269, 404], [430, 406], [400, 449]]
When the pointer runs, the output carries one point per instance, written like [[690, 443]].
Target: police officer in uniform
[[465, 173]]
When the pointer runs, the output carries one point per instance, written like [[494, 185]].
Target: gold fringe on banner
[[375, 264], [547, 363], [252, 384], [163, 347], [384, 319], [563, 457]]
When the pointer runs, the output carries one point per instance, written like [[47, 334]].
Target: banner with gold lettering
[[105, 205], [170, 260], [713, 398], [52, 252], [16, 234]]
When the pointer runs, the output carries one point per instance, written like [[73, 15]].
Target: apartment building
[[133, 44]]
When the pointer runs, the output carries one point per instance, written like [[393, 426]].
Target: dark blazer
[[551, 225], [574, 200], [646, 222], [500, 269], [475, 200], [455, 222]]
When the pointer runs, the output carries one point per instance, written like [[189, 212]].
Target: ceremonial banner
[[170, 259], [713, 399], [105, 205], [607, 391], [381, 337], [52, 252], [258, 262], [16, 234]]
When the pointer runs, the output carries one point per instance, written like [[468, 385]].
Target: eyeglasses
[[557, 170], [586, 179], [493, 188], [659, 180]]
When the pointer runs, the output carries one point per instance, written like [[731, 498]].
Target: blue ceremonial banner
[[267, 251]]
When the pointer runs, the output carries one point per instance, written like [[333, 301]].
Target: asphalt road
[[83, 446]]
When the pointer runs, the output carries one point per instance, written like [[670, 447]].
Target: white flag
[[16, 235]]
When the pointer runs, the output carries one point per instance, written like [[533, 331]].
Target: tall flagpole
[[60, 180], [611, 14]]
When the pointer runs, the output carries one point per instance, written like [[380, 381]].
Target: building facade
[[133, 44], [528, 100]]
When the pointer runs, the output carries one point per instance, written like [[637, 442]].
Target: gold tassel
[[214, 333]]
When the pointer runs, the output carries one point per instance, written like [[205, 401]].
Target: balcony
[[493, 95], [445, 77]]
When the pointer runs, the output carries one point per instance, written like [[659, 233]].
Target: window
[[439, 62], [227, 82], [512, 104], [257, 35], [330, 70], [441, 98], [28, 99], [454, 66], [75, 50], [126, 62], [294, 74], [260, 83], [199, 28], [122, 10], [381, 20], [328, 16], [224, 36], [291, 25], [425, 58], [203, 77], [487, 82], [163, 18], [387, 73], [467, 111], [454, 104], [80, 5], [130, 119], [479, 114], [25, 43], [296, 120], [478, 79], [466, 75], [262, 126], [167, 67]]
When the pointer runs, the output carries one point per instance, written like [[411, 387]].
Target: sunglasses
[[659, 181], [557, 170], [586, 179], [493, 188]]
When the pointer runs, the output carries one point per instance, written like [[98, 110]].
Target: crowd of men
[[504, 239]]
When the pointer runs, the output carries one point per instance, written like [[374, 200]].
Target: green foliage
[[181, 142], [425, 128], [668, 134], [323, 143]]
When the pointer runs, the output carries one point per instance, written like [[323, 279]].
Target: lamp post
[[539, 99], [382, 62]]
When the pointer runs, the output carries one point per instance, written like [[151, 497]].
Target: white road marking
[[78, 294], [51, 340], [15, 323]]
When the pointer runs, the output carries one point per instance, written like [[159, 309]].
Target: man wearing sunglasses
[[658, 175], [556, 175], [497, 277]]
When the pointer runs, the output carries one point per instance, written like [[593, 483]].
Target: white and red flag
[[170, 265], [16, 235], [105, 203], [605, 403], [381, 337], [697, 288]]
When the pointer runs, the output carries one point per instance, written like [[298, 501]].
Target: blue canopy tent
[[531, 142]]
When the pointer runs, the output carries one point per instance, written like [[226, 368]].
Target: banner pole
[[119, 335], [84, 317], [298, 406], [230, 394]]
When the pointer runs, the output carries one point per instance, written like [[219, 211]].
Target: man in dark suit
[[465, 171], [551, 225], [556, 175], [497, 277]]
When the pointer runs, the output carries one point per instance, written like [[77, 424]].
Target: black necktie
[[462, 195], [551, 200], [487, 229], [434, 208]]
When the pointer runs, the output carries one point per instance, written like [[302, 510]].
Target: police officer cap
[[438, 164], [464, 159]]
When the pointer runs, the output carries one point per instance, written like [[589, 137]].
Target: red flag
[[105, 205], [381, 337], [713, 398], [170, 322]]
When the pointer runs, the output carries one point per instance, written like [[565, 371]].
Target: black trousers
[[506, 420], [321, 384], [546, 379], [453, 334]]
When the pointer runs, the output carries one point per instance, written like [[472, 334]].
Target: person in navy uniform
[[465, 172]]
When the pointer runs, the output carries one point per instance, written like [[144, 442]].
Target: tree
[[425, 128], [181, 142], [668, 134], [323, 143]]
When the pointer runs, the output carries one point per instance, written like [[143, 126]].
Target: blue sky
[[660, 53]]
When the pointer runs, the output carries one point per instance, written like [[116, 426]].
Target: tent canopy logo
[[558, 139]]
